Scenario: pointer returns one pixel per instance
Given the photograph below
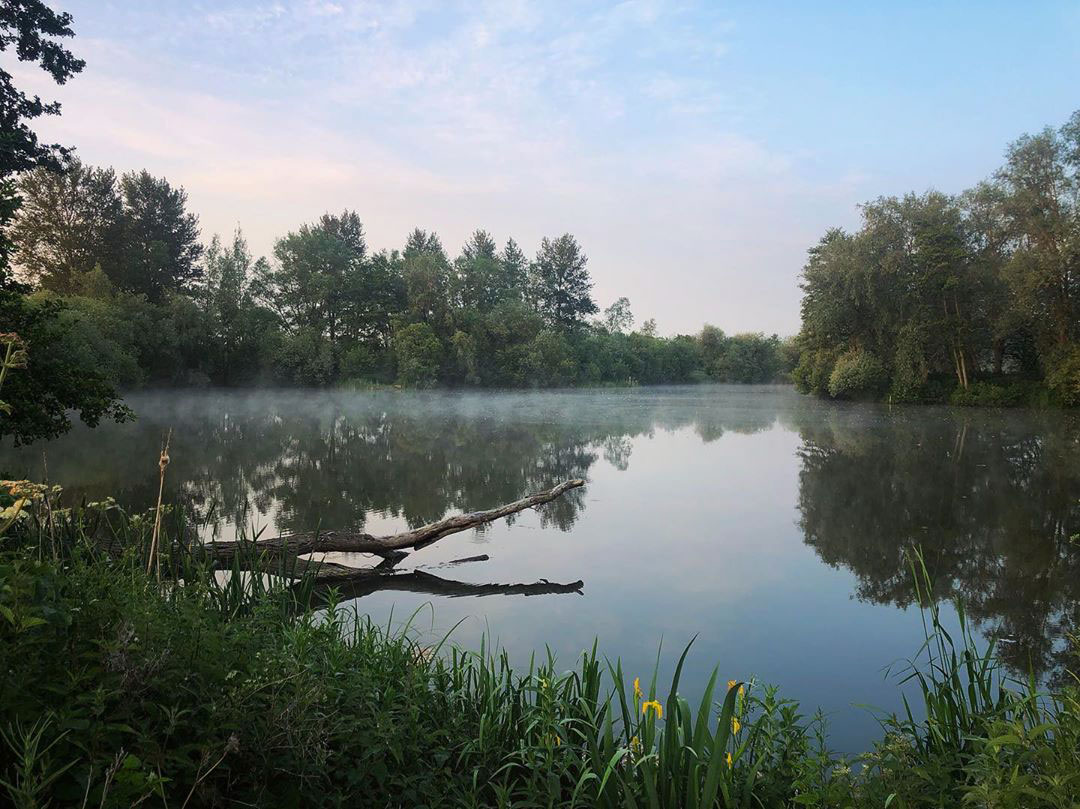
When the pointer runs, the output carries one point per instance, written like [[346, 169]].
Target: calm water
[[769, 525]]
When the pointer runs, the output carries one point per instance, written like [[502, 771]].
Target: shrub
[[418, 353], [548, 360], [910, 371], [857, 373], [812, 371], [304, 358], [990, 394], [1063, 374]]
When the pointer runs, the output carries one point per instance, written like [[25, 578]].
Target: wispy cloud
[[695, 155]]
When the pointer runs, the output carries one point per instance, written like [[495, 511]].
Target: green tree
[[32, 28], [161, 239], [560, 283], [70, 221], [317, 284], [228, 272], [52, 384], [476, 272], [1041, 178], [418, 353], [618, 318], [515, 270], [428, 283]]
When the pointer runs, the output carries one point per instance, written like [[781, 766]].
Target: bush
[[990, 394], [857, 374], [548, 360], [361, 362], [812, 371], [419, 355], [910, 371], [303, 358], [1063, 374]]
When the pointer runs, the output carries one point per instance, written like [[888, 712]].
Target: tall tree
[[515, 270], [1041, 178], [427, 275], [318, 281], [31, 27], [69, 222], [161, 238], [478, 278], [560, 282], [618, 318], [40, 396], [227, 277]]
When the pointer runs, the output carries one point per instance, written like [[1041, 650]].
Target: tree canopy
[[970, 297], [49, 382]]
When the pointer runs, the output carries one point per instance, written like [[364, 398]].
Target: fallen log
[[389, 547], [426, 584]]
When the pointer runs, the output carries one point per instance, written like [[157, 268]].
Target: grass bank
[[119, 691]]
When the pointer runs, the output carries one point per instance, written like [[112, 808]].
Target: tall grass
[[223, 690]]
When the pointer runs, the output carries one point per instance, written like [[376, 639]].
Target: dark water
[[771, 526]]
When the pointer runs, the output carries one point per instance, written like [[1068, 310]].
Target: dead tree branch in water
[[289, 552]]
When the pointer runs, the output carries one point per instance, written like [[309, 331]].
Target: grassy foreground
[[119, 691]]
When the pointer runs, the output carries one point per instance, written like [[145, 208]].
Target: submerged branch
[[425, 583]]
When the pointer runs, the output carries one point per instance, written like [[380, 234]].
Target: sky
[[695, 149]]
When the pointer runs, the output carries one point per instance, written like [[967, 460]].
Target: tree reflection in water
[[993, 498]]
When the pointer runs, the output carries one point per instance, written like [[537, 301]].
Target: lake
[[770, 526]]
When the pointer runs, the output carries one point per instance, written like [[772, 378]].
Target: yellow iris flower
[[656, 707], [728, 759], [638, 693]]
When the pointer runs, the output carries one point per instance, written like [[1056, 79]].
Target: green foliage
[[31, 29], [857, 374], [560, 284], [69, 222], [40, 396], [221, 691], [813, 371], [974, 287], [1063, 374], [991, 394], [326, 312], [160, 238], [418, 353]]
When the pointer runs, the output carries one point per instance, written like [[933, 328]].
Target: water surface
[[770, 526]]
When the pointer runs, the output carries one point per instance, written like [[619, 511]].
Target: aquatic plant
[[228, 689]]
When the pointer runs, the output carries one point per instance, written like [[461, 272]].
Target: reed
[[223, 688]]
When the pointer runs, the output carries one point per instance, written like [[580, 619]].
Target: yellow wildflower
[[638, 693], [728, 759], [655, 705], [635, 744], [735, 725], [732, 683]]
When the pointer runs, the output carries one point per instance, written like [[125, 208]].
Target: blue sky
[[696, 149]]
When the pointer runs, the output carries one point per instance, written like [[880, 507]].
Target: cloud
[[529, 119]]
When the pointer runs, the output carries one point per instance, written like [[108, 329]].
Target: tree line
[[105, 285], [969, 298], [146, 303]]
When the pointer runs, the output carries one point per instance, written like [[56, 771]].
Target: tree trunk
[[388, 547]]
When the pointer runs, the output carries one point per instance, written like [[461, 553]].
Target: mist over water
[[771, 526]]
